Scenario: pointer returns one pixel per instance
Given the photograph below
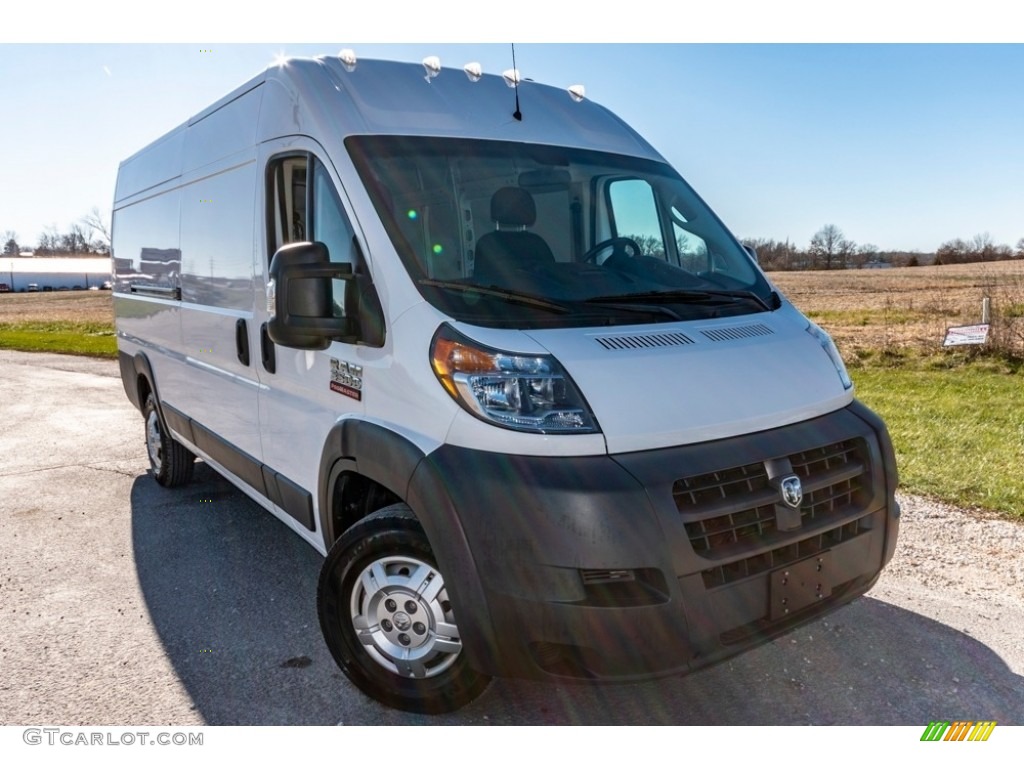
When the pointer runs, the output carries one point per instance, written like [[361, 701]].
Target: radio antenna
[[517, 114]]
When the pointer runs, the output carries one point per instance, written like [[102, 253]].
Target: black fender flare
[[891, 475], [132, 367], [396, 463]]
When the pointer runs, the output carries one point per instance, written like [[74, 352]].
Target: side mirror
[[752, 253], [300, 298]]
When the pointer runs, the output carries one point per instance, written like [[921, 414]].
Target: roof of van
[[387, 97], [324, 99]]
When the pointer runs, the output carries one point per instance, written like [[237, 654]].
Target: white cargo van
[[540, 410]]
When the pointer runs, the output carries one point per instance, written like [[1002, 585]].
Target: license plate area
[[799, 585]]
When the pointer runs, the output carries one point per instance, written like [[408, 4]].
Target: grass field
[[908, 310], [73, 322], [956, 415], [958, 434]]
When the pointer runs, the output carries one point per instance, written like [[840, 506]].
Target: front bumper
[[653, 563]]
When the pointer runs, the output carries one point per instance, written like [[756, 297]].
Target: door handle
[[267, 350], [242, 341]]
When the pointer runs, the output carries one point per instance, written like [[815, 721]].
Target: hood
[[655, 386]]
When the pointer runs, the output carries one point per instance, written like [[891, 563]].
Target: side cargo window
[[306, 207]]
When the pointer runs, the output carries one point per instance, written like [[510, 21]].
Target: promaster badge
[[347, 379]]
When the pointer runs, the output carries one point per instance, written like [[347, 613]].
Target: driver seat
[[510, 248]]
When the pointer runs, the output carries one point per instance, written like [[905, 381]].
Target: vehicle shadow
[[232, 595]]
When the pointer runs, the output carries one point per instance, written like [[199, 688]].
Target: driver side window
[[306, 207]]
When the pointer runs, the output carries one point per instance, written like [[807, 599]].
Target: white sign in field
[[966, 334]]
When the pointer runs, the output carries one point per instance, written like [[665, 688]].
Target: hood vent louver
[[737, 332], [644, 341], [676, 339]]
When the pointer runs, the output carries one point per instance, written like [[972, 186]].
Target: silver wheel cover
[[401, 614]]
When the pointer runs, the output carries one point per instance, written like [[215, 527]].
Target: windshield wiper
[[502, 293], [647, 309], [701, 296]]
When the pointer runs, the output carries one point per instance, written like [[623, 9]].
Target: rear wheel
[[171, 462], [386, 617]]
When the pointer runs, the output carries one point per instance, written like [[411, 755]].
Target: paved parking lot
[[125, 603]]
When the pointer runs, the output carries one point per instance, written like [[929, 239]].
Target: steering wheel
[[621, 246]]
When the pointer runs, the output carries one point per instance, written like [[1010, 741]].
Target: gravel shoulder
[[124, 603]]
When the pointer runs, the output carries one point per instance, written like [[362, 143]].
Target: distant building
[[55, 273]]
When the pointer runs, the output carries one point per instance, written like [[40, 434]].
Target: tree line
[[90, 235], [831, 249]]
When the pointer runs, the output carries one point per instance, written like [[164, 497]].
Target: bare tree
[[10, 241], [829, 249], [982, 247], [1020, 248], [74, 240], [847, 253], [861, 255], [776, 254], [904, 258], [99, 230], [649, 245], [49, 241], [955, 251]]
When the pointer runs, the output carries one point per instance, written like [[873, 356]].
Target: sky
[[902, 146]]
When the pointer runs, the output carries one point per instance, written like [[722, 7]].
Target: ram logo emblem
[[792, 491]]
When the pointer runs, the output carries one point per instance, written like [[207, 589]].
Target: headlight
[[529, 393], [832, 351]]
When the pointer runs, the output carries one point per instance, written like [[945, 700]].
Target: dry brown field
[[57, 307], [870, 309], [910, 307]]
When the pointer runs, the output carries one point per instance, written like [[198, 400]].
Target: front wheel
[[386, 617]]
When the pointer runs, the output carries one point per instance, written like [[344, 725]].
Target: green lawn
[[958, 433], [95, 339]]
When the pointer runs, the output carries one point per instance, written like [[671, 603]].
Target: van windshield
[[509, 234]]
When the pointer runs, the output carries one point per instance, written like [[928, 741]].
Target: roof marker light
[[473, 71], [348, 59], [433, 66], [577, 92], [512, 77]]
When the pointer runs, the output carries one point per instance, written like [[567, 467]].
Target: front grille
[[836, 475], [731, 512], [787, 554]]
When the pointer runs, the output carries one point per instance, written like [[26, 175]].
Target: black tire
[[171, 462], [382, 576]]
